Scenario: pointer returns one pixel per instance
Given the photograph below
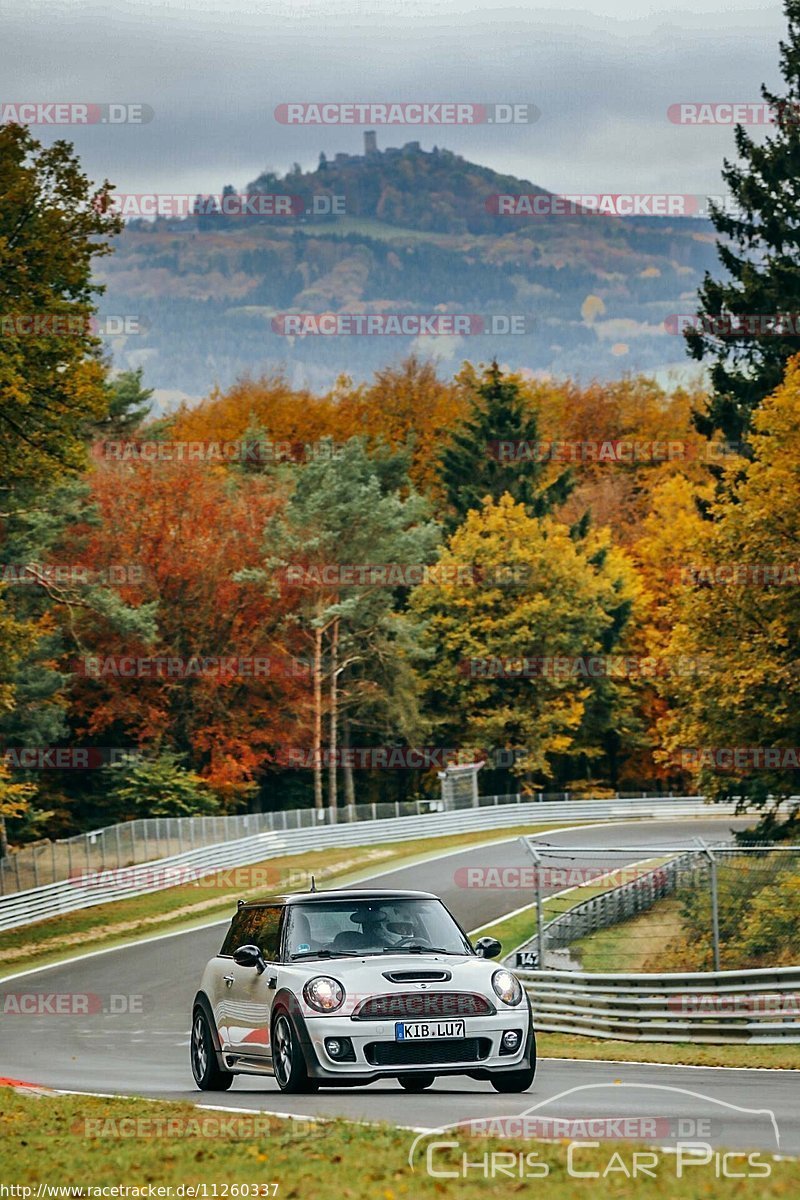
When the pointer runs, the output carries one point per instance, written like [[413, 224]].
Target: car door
[[248, 998], [218, 976]]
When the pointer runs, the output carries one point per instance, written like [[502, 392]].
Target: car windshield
[[380, 926]]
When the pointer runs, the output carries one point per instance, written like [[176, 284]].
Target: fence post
[[714, 902], [538, 896]]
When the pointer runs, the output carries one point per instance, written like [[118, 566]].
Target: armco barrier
[[36, 904], [713, 1006]]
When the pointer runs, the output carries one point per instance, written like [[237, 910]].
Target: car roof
[[352, 894]]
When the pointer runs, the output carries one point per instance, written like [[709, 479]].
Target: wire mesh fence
[[661, 909], [144, 840]]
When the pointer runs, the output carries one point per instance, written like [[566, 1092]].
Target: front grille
[[423, 1054], [423, 1004]]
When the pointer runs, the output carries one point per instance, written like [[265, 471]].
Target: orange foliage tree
[[185, 531]]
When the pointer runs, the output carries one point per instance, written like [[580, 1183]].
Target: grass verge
[[81, 1142], [213, 896], [565, 1045], [631, 945]]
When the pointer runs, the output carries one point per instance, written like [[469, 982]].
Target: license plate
[[420, 1031]]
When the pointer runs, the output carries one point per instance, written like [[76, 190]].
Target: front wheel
[[206, 1070], [416, 1083], [288, 1062], [513, 1081]]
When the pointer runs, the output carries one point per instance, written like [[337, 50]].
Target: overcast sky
[[603, 74]]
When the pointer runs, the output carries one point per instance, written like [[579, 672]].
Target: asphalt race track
[[147, 1052]]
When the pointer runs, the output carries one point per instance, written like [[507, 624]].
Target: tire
[[518, 1081], [208, 1075], [288, 1060], [415, 1083], [513, 1081]]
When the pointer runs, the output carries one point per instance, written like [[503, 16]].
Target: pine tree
[[475, 465], [760, 251]]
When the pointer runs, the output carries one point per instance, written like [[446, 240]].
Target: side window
[[232, 937], [266, 934], [258, 926]]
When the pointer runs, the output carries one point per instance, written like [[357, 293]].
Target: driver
[[375, 933]]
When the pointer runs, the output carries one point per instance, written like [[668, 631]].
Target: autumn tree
[[179, 532], [407, 406], [516, 594], [738, 616]]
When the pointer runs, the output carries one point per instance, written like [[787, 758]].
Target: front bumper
[[481, 1042]]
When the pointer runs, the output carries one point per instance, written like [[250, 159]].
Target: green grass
[[565, 1045], [198, 903], [629, 946], [74, 1141]]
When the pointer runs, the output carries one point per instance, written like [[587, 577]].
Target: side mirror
[[250, 956], [487, 947]]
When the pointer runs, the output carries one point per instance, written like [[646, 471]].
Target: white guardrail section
[[37, 904], [704, 1006]]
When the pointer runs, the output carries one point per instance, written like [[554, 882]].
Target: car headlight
[[324, 994], [507, 987]]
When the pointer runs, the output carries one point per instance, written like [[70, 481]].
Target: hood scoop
[[441, 976]]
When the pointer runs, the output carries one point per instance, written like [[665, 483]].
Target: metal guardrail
[[37, 904], [718, 1007], [148, 838]]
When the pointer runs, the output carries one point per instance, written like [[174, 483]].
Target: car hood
[[367, 976]]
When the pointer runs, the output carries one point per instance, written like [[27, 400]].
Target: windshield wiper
[[326, 954], [416, 949]]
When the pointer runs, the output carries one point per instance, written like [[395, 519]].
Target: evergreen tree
[[128, 404], [760, 251], [475, 464]]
